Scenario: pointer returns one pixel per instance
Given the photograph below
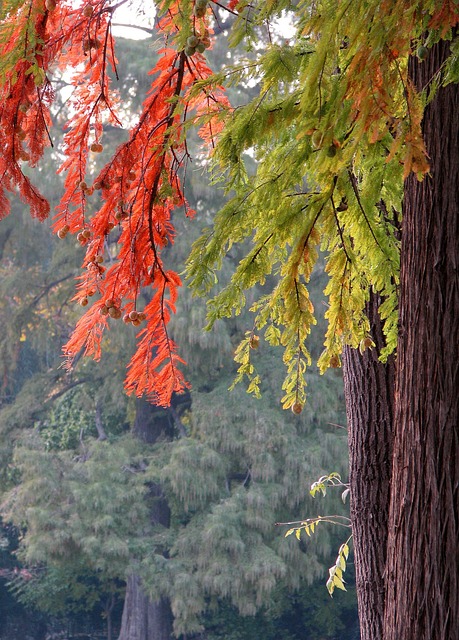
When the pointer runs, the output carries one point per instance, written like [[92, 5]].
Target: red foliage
[[139, 185], [446, 17], [25, 96]]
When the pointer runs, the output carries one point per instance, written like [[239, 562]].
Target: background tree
[[369, 391], [243, 461]]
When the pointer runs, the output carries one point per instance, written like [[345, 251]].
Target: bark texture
[[143, 618], [422, 600], [369, 392]]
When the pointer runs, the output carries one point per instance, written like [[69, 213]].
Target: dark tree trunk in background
[[151, 423], [369, 391], [422, 599], [143, 618]]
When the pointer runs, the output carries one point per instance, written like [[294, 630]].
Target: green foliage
[[31, 299], [335, 579], [67, 423], [309, 613], [73, 416], [243, 468], [331, 480], [244, 465], [90, 507], [69, 588], [331, 157], [26, 42]]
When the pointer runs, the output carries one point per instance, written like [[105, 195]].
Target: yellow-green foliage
[[24, 42], [335, 128], [91, 507]]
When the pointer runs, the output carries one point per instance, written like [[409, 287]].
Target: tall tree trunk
[[369, 392], [422, 600], [143, 618]]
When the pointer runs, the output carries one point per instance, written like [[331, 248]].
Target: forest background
[[97, 486]]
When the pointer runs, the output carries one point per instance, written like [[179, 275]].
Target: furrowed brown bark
[[369, 391], [422, 599]]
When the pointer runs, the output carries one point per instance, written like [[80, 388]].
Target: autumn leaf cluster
[[335, 129]]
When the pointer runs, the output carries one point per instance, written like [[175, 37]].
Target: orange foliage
[[446, 17], [25, 96], [139, 186]]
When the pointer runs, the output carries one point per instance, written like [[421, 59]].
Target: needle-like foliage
[[335, 128]]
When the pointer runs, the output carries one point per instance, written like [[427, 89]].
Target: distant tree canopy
[[335, 127]]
